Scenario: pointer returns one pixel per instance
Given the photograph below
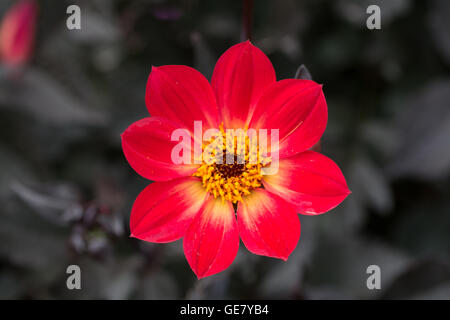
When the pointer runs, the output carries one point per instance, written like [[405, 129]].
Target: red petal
[[310, 181], [164, 210], [212, 240], [268, 225], [182, 94], [241, 75], [17, 32], [148, 147], [298, 109]]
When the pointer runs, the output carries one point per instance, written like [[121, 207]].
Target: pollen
[[231, 165]]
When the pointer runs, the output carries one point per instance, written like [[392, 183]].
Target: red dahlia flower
[[17, 33], [211, 205]]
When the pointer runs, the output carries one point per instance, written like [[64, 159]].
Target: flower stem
[[247, 15]]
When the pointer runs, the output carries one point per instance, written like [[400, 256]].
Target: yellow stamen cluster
[[231, 181]]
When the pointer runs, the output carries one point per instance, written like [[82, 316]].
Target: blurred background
[[66, 190]]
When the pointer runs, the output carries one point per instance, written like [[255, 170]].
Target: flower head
[[17, 32], [232, 186]]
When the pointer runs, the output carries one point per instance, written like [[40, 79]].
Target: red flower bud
[[17, 32]]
